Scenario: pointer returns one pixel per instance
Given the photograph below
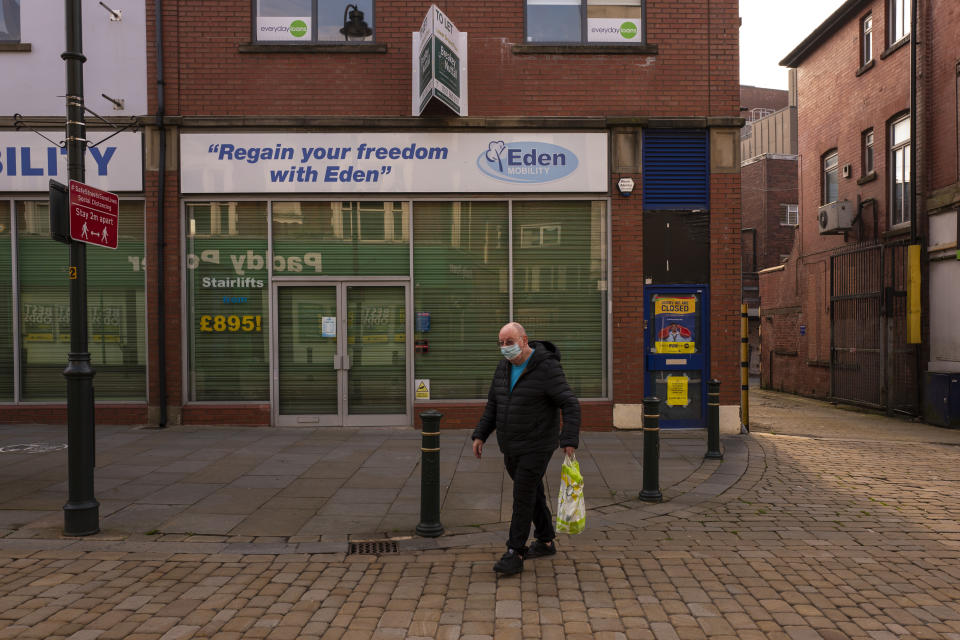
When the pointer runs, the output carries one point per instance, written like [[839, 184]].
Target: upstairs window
[[830, 186], [866, 162], [791, 215], [9, 20], [900, 171], [866, 40], [585, 21], [898, 17], [312, 21]]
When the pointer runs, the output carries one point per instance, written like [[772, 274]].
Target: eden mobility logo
[[527, 162]]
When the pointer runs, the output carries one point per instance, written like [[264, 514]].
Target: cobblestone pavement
[[835, 536]]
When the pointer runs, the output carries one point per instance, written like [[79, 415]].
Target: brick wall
[[939, 60], [694, 73], [767, 185], [725, 284], [754, 97], [627, 294]]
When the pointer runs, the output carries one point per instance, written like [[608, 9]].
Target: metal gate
[[871, 362]]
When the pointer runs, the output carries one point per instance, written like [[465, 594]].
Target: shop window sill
[[15, 47], [358, 47], [586, 48], [896, 45], [862, 70], [870, 177]]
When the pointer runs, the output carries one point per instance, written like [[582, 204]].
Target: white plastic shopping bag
[[571, 510]]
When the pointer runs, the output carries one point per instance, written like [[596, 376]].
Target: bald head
[[515, 329]]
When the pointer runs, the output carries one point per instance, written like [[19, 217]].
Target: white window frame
[[791, 215], [866, 40], [868, 159], [829, 173], [899, 163], [898, 19]]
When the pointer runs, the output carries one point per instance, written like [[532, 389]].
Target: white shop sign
[[393, 162], [28, 162]]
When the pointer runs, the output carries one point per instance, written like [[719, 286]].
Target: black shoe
[[539, 549], [510, 564]]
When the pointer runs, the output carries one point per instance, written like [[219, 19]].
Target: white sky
[[771, 29]]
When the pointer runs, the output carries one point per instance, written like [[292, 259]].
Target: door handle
[[336, 363], [346, 362]]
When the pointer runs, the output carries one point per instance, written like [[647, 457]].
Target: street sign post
[[94, 215], [81, 514]]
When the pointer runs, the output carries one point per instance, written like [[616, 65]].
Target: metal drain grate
[[372, 547]]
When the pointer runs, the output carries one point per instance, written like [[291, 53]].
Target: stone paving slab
[[314, 482]]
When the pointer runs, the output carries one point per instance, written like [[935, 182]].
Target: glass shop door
[[341, 354]]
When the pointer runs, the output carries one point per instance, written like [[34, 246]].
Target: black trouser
[[529, 500]]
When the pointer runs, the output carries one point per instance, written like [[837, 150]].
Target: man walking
[[526, 398]]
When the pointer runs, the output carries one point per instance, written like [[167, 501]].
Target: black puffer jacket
[[527, 419]]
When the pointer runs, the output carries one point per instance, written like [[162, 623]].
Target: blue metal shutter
[[676, 169]]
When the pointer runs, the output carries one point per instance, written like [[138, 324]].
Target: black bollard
[[430, 526], [713, 420], [651, 451]]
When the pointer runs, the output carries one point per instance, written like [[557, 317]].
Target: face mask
[[511, 351]]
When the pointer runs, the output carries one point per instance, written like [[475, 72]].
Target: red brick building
[[342, 210], [768, 187], [836, 317]]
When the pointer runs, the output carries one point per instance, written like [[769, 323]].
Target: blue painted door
[[677, 350]]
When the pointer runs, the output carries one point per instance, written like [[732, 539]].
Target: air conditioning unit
[[836, 217]]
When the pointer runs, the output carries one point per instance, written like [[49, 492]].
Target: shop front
[[353, 278], [34, 285]]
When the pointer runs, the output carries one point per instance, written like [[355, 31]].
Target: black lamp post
[[81, 514], [354, 28]]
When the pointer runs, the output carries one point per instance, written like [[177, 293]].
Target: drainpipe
[[161, 238], [916, 332], [914, 36]]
